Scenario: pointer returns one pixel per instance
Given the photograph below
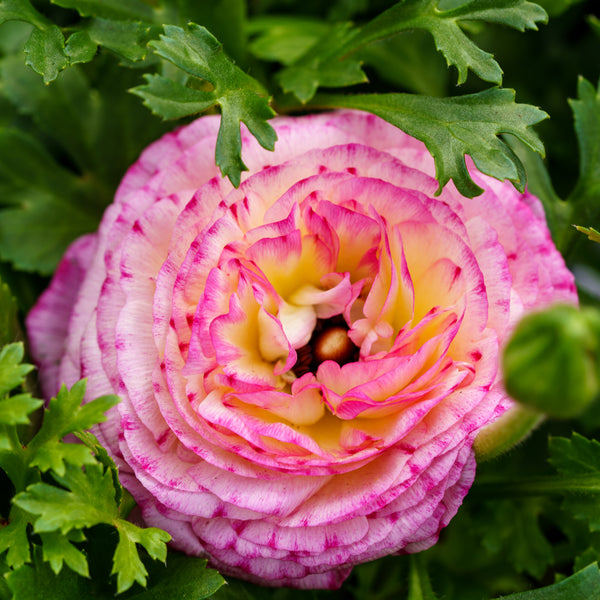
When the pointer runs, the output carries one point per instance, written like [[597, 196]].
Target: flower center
[[329, 341]]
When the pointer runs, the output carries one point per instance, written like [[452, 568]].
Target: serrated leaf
[[58, 550], [102, 456], [45, 51], [109, 9], [583, 585], [125, 38], [127, 564], [12, 372], [454, 127], [241, 98], [586, 111], [183, 577], [13, 537], [15, 410], [172, 100], [80, 48], [65, 415], [32, 582], [445, 27], [86, 500]]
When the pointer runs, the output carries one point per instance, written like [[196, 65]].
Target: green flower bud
[[551, 361]]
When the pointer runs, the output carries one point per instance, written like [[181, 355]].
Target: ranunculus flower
[[304, 362]]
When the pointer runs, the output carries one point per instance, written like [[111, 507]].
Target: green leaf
[[172, 100], [578, 460], [15, 410], [109, 9], [454, 127], [284, 39], [32, 582], [12, 372], [321, 66], [241, 98], [183, 577], [58, 549], [127, 564], [13, 537], [45, 51], [39, 193], [21, 10], [585, 197], [127, 39], [86, 500], [80, 48], [583, 585], [66, 415], [445, 27]]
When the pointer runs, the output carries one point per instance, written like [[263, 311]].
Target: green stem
[[585, 483]]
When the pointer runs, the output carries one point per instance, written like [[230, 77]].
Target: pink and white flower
[[305, 361]]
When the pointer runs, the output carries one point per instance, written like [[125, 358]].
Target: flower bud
[[551, 361]]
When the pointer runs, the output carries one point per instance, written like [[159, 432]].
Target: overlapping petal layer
[[304, 361]]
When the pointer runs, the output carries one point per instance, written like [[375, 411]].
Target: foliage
[[77, 78]]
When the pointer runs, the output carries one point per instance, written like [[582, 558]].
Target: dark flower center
[[329, 341]]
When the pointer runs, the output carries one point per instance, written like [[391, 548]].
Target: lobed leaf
[[15, 410], [12, 372], [21, 10], [80, 48], [241, 98], [13, 537], [125, 38], [86, 500], [452, 128], [45, 50], [58, 549], [127, 564]]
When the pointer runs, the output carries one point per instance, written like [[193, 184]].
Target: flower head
[[305, 361]]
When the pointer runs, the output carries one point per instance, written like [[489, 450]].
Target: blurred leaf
[[20, 10], [584, 585], [419, 583], [321, 66], [9, 326], [240, 97], [109, 9], [454, 127], [43, 204], [408, 61], [284, 39], [578, 460], [45, 51]]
